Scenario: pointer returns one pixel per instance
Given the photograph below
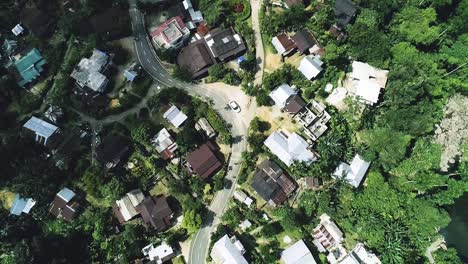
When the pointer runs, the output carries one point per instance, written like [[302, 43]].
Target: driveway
[[255, 7]]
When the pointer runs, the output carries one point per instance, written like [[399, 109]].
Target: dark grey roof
[[196, 58], [271, 183], [304, 40], [345, 10], [224, 43]]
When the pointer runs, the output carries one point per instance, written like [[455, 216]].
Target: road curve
[[239, 126]]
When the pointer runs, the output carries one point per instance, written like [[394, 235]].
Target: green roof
[[30, 66]]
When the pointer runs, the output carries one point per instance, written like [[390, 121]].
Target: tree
[[448, 256], [388, 145], [417, 25], [217, 72], [182, 74], [140, 133], [192, 221], [112, 190], [93, 180]]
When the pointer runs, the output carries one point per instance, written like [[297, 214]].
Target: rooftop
[[303, 40], [345, 10], [164, 144], [196, 58], [21, 205], [366, 81], [227, 251], [89, 71], [169, 32], [310, 66], [281, 94], [225, 43], [203, 161], [298, 253], [159, 254], [175, 116], [283, 44], [353, 173], [156, 211], [30, 66], [289, 148], [63, 205]]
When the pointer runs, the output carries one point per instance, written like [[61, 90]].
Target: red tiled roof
[[164, 26], [203, 29]]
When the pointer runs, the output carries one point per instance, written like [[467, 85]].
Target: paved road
[[260, 53], [150, 62]]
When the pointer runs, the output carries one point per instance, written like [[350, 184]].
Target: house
[[224, 44], [360, 255], [283, 44], [9, 46], [345, 11], [202, 29], [112, 150], [175, 116], [196, 58], [88, 73], [313, 119], [156, 212], [131, 73], [29, 67], [289, 148], [246, 224], [310, 66], [272, 183], [159, 254], [21, 205], [65, 205], [54, 113], [291, 3], [298, 253], [164, 144], [365, 82], [203, 161], [204, 127], [287, 99], [228, 251], [353, 173], [17, 30], [171, 34], [304, 40], [196, 16], [317, 50], [243, 198], [124, 209], [327, 234], [44, 132]]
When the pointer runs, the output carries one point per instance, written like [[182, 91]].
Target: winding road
[[220, 96]]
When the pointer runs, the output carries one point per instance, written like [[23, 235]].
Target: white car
[[234, 106]]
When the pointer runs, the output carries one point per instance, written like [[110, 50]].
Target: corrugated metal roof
[[66, 194], [40, 127]]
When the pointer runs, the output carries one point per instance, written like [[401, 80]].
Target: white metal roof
[[278, 46], [225, 252], [66, 194], [368, 81], [360, 255], [289, 148], [126, 208], [21, 205], [281, 94], [162, 140], [298, 253], [310, 66], [331, 227], [354, 172], [40, 127], [158, 253], [17, 30], [136, 197], [175, 116]]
